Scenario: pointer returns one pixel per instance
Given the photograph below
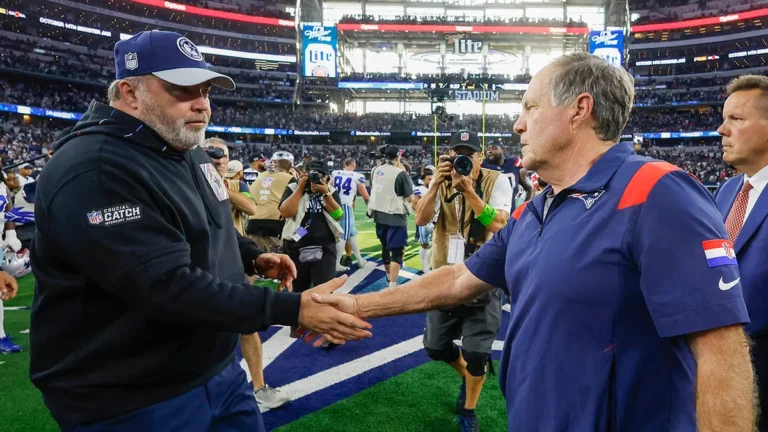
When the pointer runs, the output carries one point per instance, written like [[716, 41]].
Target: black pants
[[316, 273]]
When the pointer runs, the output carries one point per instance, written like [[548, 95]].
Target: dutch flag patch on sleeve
[[719, 252]]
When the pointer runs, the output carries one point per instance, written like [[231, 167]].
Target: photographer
[[391, 191], [471, 204], [311, 210], [266, 225]]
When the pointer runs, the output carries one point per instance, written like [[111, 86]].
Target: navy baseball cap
[[168, 56], [465, 138]]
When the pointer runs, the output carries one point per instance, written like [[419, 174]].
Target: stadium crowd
[[107, 20], [436, 78], [704, 9], [412, 19]]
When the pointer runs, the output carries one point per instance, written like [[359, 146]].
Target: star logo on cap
[[189, 49], [131, 61], [464, 136]]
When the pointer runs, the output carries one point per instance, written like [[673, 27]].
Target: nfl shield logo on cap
[[464, 136], [131, 61]]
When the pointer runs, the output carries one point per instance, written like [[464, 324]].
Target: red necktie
[[735, 219]]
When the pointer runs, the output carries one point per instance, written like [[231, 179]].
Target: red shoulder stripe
[[643, 182], [518, 211]]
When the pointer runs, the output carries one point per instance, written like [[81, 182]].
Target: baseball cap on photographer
[[465, 138], [233, 167], [391, 151], [168, 56]]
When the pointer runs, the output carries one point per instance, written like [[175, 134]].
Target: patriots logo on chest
[[589, 198]]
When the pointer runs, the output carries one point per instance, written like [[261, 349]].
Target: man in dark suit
[[743, 202]]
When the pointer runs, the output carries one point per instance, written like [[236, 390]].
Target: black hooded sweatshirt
[[140, 275]]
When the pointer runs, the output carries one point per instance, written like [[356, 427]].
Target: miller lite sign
[[319, 51], [608, 45], [467, 46]]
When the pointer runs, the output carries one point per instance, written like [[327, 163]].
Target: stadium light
[[215, 13], [237, 54], [701, 22], [424, 28]]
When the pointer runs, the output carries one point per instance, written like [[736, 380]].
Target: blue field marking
[[301, 360]]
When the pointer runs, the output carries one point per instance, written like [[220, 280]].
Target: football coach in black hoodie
[[141, 290]]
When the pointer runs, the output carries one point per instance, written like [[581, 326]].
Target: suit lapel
[[728, 195], [754, 220]]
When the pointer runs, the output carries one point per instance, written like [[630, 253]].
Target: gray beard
[[174, 132]]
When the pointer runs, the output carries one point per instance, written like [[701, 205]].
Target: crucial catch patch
[[114, 215]]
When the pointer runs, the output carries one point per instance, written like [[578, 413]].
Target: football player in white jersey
[[424, 233], [349, 183], [11, 245]]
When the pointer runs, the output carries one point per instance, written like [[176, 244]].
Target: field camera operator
[[311, 208], [471, 204]]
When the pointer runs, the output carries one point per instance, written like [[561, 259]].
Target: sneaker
[[362, 263], [8, 347], [346, 261], [342, 269], [271, 398], [462, 399], [468, 424]]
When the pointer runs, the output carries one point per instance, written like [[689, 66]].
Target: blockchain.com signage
[[608, 44], [319, 55]]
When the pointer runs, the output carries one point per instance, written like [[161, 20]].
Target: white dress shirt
[[758, 181]]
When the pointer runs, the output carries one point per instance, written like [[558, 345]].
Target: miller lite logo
[[606, 38], [318, 33], [131, 61], [467, 46]]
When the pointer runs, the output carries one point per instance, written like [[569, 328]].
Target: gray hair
[[215, 140], [113, 92], [612, 89]]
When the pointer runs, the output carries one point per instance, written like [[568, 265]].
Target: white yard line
[[281, 341], [321, 380]]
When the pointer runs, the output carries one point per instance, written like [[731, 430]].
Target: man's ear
[[128, 96], [581, 110]]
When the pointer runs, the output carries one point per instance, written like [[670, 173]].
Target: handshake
[[335, 317]]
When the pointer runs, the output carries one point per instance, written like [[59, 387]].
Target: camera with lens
[[315, 177], [215, 152], [462, 164]]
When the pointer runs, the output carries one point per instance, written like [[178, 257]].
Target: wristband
[[487, 216], [337, 214]]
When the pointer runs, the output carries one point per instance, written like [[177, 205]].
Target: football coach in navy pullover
[[626, 309], [141, 291]]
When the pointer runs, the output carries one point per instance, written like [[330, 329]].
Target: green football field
[[421, 399]]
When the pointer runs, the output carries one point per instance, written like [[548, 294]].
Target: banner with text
[[319, 45], [608, 45]]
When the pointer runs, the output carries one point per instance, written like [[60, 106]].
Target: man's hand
[[277, 266], [11, 240], [334, 324], [320, 188], [444, 169], [461, 183], [303, 180], [8, 286]]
